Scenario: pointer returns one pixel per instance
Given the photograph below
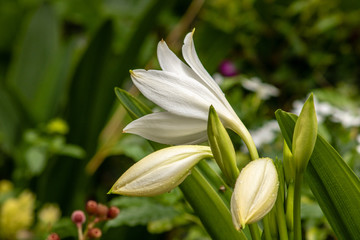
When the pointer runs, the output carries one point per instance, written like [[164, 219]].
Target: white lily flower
[[160, 171], [185, 92], [255, 192]]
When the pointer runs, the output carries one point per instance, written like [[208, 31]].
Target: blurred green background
[[61, 126]]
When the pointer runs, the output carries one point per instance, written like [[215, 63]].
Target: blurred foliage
[[296, 45], [60, 61]]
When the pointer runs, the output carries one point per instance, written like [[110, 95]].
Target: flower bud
[[102, 210], [255, 192], [289, 164], [160, 171], [94, 233], [113, 212], [305, 133], [91, 207], [222, 147], [78, 217], [53, 236]]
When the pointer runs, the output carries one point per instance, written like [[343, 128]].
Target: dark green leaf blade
[[31, 75], [334, 184], [134, 107]]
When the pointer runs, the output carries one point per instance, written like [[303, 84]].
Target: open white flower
[[255, 192], [185, 92], [160, 171]]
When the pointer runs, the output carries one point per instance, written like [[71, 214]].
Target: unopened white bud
[[160, 171], [255, 192]]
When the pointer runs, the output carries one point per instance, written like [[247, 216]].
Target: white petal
[[169, 62], [177, 94], [191, 57], [167, 128], [160, 171]]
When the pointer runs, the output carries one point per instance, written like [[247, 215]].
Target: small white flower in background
[[266, 133], [358, 142], [161, 171], [264, 90], [255, 192], [185, 92]]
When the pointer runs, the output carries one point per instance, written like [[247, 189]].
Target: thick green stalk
[[210, 207], [290, 209], [266, 224], [297, 206], [243, 132], [254, 230], [281, 219]]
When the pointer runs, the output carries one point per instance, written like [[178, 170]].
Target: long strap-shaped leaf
[[200, 188], [333, 183]]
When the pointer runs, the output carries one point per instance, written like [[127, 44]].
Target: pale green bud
[[305, 134], [222, 147], [255, 192], [160, 171], [289, 164]]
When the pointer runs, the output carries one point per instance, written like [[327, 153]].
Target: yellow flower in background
[[16, 214], [57, 125], [5, 186], [49, 214]]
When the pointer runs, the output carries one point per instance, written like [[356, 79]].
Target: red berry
[[102, 210], [53, 236], [78, 217], [113, 212], [94, 233], [91, 207]]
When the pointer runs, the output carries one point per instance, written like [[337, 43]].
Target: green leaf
[[333, 183], [134, 107], [10, 119], [36, 159], [140, 211], [41, 66]]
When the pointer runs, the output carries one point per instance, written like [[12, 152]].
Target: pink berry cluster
[[96, 212]]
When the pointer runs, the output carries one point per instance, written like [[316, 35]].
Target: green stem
[[209, 207], [290, 210], [254, 230], [267, 231], [281, 219], [243, 132], [297, 206]]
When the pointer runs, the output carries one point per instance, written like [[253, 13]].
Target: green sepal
[[333, 183], [222, 147]]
